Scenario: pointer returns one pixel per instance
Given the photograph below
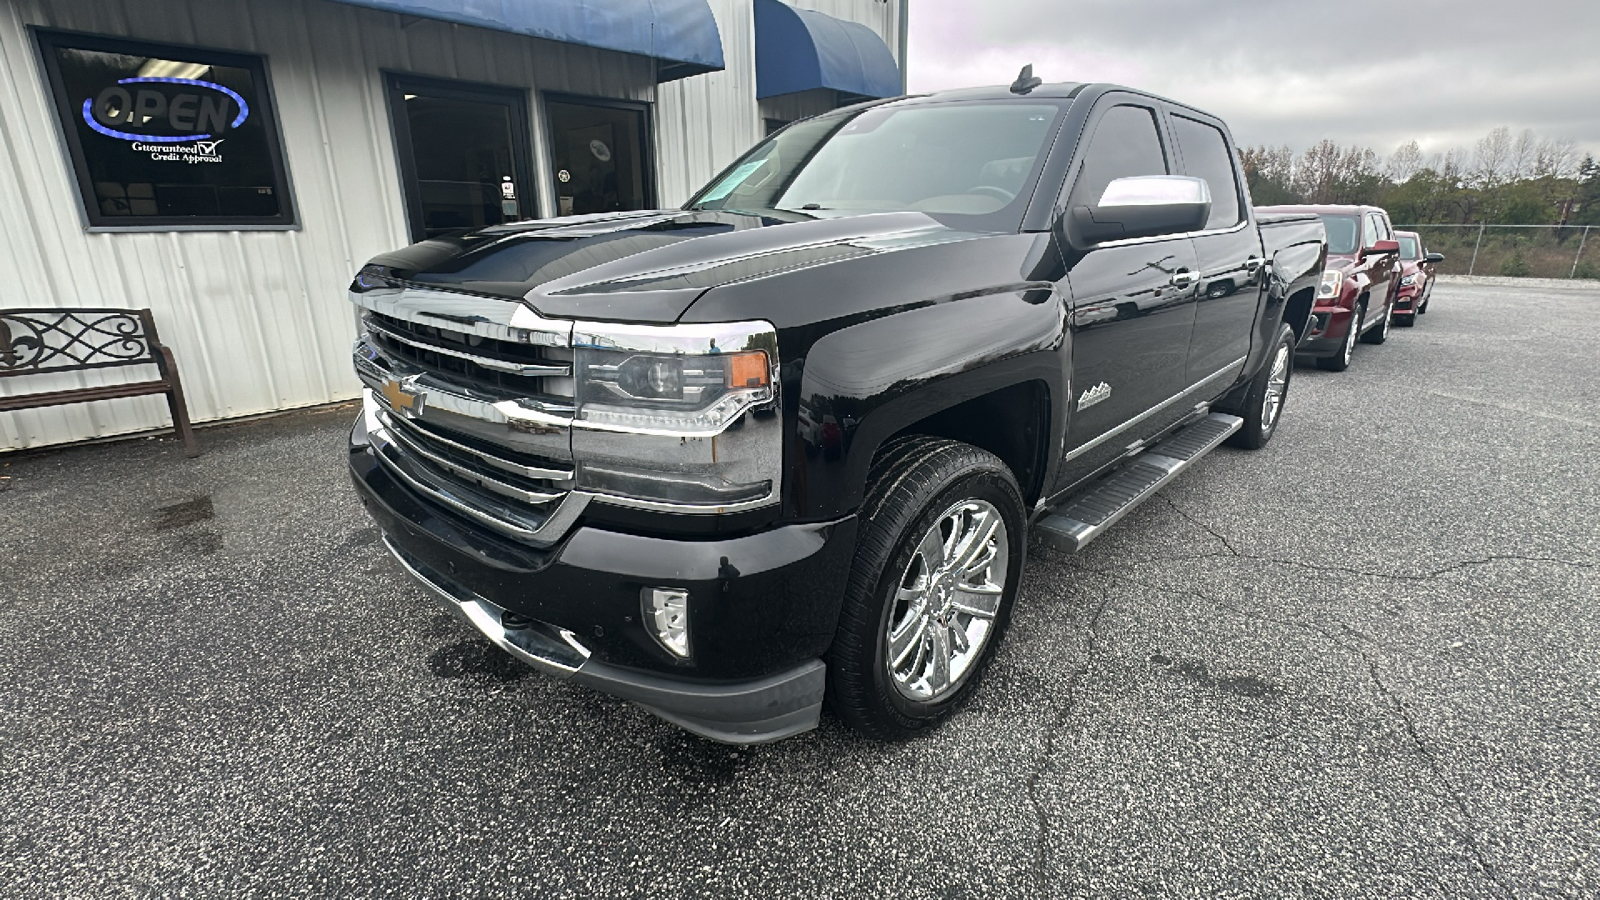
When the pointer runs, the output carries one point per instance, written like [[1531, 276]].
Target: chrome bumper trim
[[554, 651]]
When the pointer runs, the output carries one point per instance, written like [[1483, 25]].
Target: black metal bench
[[40, 341]]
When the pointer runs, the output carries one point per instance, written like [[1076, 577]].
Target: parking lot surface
[[1364, 661]]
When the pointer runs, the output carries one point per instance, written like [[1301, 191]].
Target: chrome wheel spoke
[[975, 543], [981, 601], [958, 637], [907, 638], [932, 551], [939, 670]]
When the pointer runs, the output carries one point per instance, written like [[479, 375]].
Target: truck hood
[[649, 266]]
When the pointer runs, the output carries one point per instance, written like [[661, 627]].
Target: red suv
[[1416, 278], [1358, 287]]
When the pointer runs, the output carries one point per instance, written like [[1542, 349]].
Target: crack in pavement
[[1390, 576], [1413, 732], [1041, 853]]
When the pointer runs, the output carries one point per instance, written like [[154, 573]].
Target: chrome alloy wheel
[[1277, 385], [946, 600], [1352, 336]]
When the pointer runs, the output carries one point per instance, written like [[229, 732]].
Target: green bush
[[1515, 266], [1587, 270]]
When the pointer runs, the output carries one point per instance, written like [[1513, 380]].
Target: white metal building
[[231, 163]]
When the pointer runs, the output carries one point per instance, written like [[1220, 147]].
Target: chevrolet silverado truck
[[1356, 297], [788, 442]]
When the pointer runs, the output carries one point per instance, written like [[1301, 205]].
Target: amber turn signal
[[748, 370]]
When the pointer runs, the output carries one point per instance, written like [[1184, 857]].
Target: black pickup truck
[[789, 442]]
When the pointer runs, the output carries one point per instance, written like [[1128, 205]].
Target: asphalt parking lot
[[1364, 661]]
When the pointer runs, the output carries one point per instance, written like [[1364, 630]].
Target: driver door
[[1132, 302]]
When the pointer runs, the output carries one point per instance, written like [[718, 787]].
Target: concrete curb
[[1543, 284]]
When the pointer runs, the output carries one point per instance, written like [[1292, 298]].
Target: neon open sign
[[199, 114]]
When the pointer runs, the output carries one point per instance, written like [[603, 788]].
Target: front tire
[[1263, 403], [1341, 360], [936, 571]]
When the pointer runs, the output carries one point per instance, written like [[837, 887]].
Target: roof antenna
[[1025, 81]]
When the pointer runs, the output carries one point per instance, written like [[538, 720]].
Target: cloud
[[1370, 72]]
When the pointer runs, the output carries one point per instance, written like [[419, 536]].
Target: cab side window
[[1125, 143], [1374, 231], [1206, 155]]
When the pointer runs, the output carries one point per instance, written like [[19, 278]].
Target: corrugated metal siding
[[257, 319]]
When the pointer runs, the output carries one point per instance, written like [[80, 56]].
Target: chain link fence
[[1519, 251]]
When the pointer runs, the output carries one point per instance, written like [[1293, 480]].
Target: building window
[[601, 150], [165, 137], [463, 154]]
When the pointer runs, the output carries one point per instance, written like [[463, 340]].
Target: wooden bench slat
[[83, 395]]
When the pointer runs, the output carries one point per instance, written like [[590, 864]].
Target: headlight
[[1332, 281], [370, 278], [1409, 279], [681, 417]]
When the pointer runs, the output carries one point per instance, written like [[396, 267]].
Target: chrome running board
[[1074, 525]]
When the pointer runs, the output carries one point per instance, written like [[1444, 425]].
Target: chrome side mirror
[[1143, 206]]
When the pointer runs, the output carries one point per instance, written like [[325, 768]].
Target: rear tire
[[937, 568], [1263, 403], [1380, 332]]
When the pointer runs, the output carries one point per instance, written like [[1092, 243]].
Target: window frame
[[548, 139], [46, 41], [1240, 200], [1104, 107], [523, 162]]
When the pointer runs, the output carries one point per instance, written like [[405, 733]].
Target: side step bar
[[1070, 528]]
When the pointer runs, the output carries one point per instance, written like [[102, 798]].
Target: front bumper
[[1330, 325], [762, 608]]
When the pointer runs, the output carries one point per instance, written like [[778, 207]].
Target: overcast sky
[[1371, 72]]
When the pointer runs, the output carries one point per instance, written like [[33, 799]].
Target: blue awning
[[681, 34], [800, 50]]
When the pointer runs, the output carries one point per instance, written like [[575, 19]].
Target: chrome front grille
[[471, 408], [525, 369]]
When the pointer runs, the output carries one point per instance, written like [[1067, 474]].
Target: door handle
[[1184, 278], [1254, 263]]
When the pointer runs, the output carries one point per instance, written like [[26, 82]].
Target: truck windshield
[[1408, 247], [962, 160], [1344, 233]]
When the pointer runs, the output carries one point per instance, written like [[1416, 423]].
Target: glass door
[[463, 155], [601, 153]]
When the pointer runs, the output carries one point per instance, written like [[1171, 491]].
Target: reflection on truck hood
[[648, 266]]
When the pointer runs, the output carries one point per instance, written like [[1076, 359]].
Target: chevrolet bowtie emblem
[[401, 399]]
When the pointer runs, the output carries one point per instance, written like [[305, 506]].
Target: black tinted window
[[1125, 143], [1206, 155], [167, 136], [1343, 233]]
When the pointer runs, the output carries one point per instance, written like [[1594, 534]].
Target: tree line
[[1505, 179]]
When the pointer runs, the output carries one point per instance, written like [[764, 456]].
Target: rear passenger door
[[1132, 306], [1228, 250]]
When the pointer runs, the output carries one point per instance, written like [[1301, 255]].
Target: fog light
[[666, 616]]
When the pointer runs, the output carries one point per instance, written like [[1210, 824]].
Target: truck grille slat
[[466, 473], [391, 333]]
